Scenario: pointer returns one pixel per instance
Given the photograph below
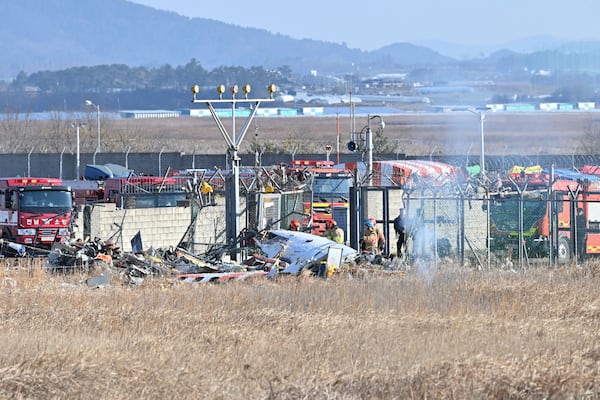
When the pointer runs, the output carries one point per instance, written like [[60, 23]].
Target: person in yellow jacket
[[207, 191], [334, 232]]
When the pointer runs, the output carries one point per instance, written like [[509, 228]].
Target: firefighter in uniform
[[380, 236], [334, 232], [400, 228], [294, 225], [368, 243], [207, 191]]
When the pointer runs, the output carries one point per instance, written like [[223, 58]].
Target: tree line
[[119, 86]]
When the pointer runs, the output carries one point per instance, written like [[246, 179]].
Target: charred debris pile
[[264, 254]]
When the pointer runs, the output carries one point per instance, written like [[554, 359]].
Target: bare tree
[[59, 132], [591, 136], [14, 127], [124, 136]]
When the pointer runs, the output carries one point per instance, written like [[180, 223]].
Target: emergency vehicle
[[547, 216], [35, 211], [330, 190], [86, 191], [145, 191]]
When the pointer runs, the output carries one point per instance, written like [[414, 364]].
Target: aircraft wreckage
[[268, 253]]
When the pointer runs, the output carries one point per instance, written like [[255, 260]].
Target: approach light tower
[[232, 187]]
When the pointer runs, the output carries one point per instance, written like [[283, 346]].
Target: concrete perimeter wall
[[159, 227], [46, 165]]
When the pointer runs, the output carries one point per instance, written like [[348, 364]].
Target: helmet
[[330, 223], [372, 220], [295, 224], [369, 223]]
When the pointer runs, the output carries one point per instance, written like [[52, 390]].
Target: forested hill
[[55, 34]]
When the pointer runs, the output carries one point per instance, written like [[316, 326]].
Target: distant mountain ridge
[[40, 35], [55, 34], [523, 45]]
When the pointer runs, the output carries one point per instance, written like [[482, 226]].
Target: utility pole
[[481, 115], [77, 126], [91, 104], [369, 139]]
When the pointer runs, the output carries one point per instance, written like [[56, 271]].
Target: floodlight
[[246, 88], [272, 89], [221, 90]]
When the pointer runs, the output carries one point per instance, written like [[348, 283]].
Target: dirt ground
[[419, 134]]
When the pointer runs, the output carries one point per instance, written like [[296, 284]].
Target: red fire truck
[[86, 192], [35, 211], [330, 191], [548, 220], [145, 191]]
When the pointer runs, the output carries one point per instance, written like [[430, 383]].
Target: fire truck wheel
[[564, 250], [6, 235]]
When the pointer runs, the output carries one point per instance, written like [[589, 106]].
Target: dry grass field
[[414, 134], [448, 333], [418, 134]]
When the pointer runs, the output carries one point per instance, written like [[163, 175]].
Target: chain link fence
[[502, 230]]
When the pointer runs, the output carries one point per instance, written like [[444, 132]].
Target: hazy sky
[[372, 24]]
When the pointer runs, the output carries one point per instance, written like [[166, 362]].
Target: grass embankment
[[449, 333]]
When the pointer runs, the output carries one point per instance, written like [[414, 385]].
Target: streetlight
[[60, 174], [91, 104], [162, 148], [369, 138], [29, 161], [483, 175], [328, 151], [432, 151], [77, 126], [194, 157], [127, 157], [482, 149]]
